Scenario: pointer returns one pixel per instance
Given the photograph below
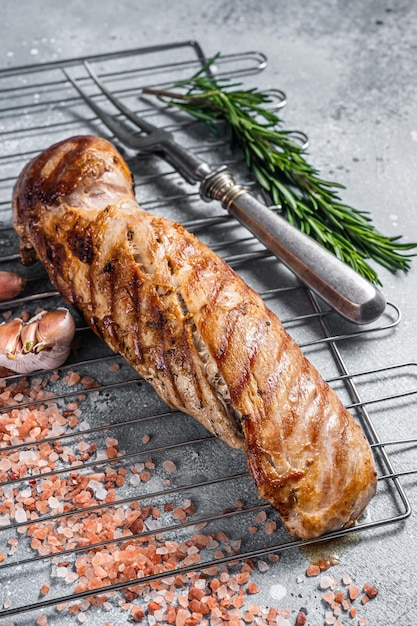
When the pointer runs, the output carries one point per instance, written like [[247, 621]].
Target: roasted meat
[[192, 328]]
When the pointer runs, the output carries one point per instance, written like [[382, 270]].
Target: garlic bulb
[[11, 285], [41, 343]]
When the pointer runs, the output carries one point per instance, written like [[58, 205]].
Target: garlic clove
[[55, 328], [11, 285], [28, 335], [44, 342], [10, 337]]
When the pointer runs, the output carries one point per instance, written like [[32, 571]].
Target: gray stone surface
[[350, 74]]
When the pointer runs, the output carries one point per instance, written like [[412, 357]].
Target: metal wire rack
[[108, 434]]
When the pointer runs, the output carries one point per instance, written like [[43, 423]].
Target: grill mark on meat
[[157, 321], [215, 379], [56, 256], [271, 382], [81, 244], [296, 401], [253, 348], [113, 327], [48, 188], [195, 346], [134, 292]]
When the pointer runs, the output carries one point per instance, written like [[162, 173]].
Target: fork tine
[[116, 127], [147, 127], [155, 139]]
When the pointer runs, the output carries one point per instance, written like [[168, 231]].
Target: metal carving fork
[[336, 283]]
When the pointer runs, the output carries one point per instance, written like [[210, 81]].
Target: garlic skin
[[42, 343], [11, 285]]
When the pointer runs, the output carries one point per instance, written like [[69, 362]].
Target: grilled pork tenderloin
[[192, 328]]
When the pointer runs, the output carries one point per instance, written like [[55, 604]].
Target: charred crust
[[56, 255], [28, 255], [81, 245], [156, 323]]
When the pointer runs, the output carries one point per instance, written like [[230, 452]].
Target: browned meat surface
[[191, 327]]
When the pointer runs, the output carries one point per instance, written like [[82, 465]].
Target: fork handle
[[336, 283]]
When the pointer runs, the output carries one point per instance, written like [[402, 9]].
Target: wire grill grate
[[108, 434]]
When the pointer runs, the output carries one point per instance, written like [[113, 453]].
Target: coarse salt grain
[[263, 566], [20, 515], [326, 582], [169, 466], [53, 502], [313, 570], [5, 465], [61, 572], [353, 591], [71, 577]]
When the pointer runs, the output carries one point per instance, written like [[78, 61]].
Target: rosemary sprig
[[280, 166]]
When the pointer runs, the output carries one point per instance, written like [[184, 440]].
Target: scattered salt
[[5, 465], [71, 577], [20, 516], [61, 572], [263, 566], [152, 524], [57, 430], [261, 517], [99, 491], [169, 466], [326, 582], [277, 591]]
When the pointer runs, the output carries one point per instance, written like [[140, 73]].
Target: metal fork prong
[[117, 129], [147, 127]]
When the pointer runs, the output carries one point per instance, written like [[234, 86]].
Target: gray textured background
[[350, 74]]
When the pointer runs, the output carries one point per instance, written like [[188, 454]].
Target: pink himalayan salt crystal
[[169, 466]]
